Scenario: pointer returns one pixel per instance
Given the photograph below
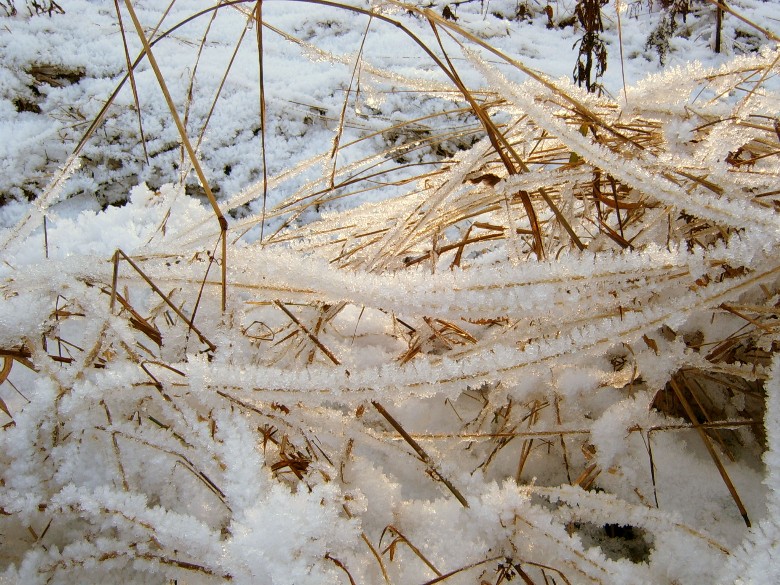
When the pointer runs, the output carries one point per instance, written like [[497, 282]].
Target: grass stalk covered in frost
[[543, 346]]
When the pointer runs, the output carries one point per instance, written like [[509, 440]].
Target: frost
[[505, 330]]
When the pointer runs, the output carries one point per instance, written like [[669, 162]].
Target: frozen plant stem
[[157, 290], [767, 33], [592, 49], [187, 145], [131, 75], [718, 27], [258, 16], [421, 452], [710, 448]]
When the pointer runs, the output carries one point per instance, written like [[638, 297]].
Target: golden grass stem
[[399, 537], [258, 16], [446, 576], [557, 404], [341, 566], [421, 452], [8, 363], [160, 293], [221, 86], [186, 142], [371, 547], [310, 335], [191, 86], [131, 74], [767, 33], [45, 238], [137, 321], [618, 9], [337, 139], [710, 448], [497, 139], [541, 433], [757, 324]]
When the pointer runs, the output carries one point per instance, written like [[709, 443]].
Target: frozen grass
[[541, 344]]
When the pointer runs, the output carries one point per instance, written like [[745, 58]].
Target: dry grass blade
[[308, 333], [131, 74], [587, 477], [371, 548], [157, 384], [725, 8], [4, 408], [8, 363], [117, 451], [525, 451], [548, 568], [21, 355], [421, 453], [458, 331], [578, 106], [191, 85], [186, 565], [499, 143], [347, 94], [341, 566], [468, 567], [200, 290], [185, 462], [137, 321], [770, 329], [228, 68], [562, 219], [524, 576], [400, 538], [52, 190], [649, 446], [223, 225], [160, 293], [676, 386], [564, 450], [258, 18]]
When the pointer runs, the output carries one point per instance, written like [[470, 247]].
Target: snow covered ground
[[64, 67], [466, 323]]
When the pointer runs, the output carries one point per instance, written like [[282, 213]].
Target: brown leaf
[[651, 343]]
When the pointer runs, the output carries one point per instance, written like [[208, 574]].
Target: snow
[[151, 435]]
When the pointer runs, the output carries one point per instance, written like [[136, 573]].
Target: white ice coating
[[396, 346]]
